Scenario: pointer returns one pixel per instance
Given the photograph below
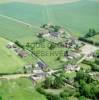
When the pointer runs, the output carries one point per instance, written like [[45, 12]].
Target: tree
[[0, 98], [19, 44], [48, 82], [58, 58], [56, 28], [91, 33], [58, 82], [52, 46], [64, 95], [97, 61], [79, 75], [82, 98], [53, 97], [89, 90], [40, 35]]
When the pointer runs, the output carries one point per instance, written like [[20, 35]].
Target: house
[[37, 69], [41, 65], [70, 68], [72, 54], [54, 34], [39, 76], [11, 45], [72, 43], [23, 54]]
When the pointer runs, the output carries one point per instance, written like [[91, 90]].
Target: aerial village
[[77, 56], [77, 52]]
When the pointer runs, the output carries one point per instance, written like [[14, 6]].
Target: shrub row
[[88, 41]]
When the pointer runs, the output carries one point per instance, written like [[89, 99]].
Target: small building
[[23, 54], [11, 45], [54, 34], [42, 65], [72, 43], [37, 69], [39, 76], [70, 68], [72, 54]]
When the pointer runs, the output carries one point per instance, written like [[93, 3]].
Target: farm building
[[39, 76], [23, 54], [70, 68], [54, 34], [41, 65], [72, 43], [72, 54], [11, 45]]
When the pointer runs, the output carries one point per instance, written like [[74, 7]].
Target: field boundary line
[[19, 21]]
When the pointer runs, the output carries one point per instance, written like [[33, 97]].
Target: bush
[[53, 97], [86, 40], [41, 90], [19, 44], [91, 33], [82, 98]]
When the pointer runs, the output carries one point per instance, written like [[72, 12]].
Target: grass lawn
[[19, 89], [50, 56], [94, 38], [85, 66], [70, 75], [9, 61]]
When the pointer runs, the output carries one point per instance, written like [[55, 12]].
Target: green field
[[21, 21], [19, 89], [9, 61], [78, 17], [94, 38], [49, 56], [17, 31]]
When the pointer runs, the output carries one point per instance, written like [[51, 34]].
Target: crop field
[[13, 30], [21, 20], [19, 89]]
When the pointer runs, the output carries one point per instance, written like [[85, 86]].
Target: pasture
[[78, 17], [19, 89], [9, 61]]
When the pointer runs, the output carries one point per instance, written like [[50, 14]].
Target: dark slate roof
[[42, 64], [54, 34]]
